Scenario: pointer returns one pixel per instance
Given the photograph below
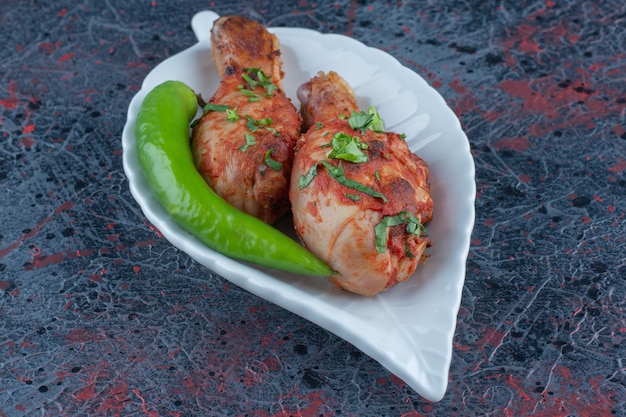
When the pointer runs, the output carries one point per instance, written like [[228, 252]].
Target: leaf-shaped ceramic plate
[[408, 329]]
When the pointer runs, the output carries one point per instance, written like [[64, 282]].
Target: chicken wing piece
[[360, 198], [243, 144]]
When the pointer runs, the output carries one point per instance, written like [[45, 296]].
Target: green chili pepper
[[162, 132]]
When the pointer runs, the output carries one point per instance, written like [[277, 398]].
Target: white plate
[[408, 329]]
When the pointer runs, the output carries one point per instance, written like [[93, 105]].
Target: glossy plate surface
[[408, 329]]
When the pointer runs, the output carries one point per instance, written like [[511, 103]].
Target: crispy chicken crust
[[246, 157], [338, 223]]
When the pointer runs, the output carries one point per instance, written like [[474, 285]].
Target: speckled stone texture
[[101, 316]]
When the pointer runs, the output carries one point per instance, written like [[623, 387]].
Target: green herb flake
[[348, 148], [305, 180], [255, 78], [209, 107], [249, 80], [271, 162], [318, 125], [215, 107], [337, 173], [250, 140], [376, 124], [252, 96], [377, 175], [407, 250], [264, 122], [251, 125], [413, 227], [359, 121], [232, 115], [354, 197], [254, 125], [366, 120]]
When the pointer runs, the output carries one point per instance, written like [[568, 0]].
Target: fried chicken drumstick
[[360, 197], [243, 144]]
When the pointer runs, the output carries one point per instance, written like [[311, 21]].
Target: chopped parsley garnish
[[271, 162], [254, 125], [252, 96], [366, 120], [232, 115], [359, 120], [209, 107], [250, 140], [318, 125], [413, 227], [338, 174], [305, 180], [253, 83], [354, 197], [349, 148], [215, 107], [255, 78], [407, 249]]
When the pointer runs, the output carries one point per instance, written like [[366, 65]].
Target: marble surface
[[101, 316]]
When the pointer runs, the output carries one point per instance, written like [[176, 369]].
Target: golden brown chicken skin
[[238, 43], [243, 144], [370, 234]]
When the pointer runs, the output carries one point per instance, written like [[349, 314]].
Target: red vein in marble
[[68, 205]]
